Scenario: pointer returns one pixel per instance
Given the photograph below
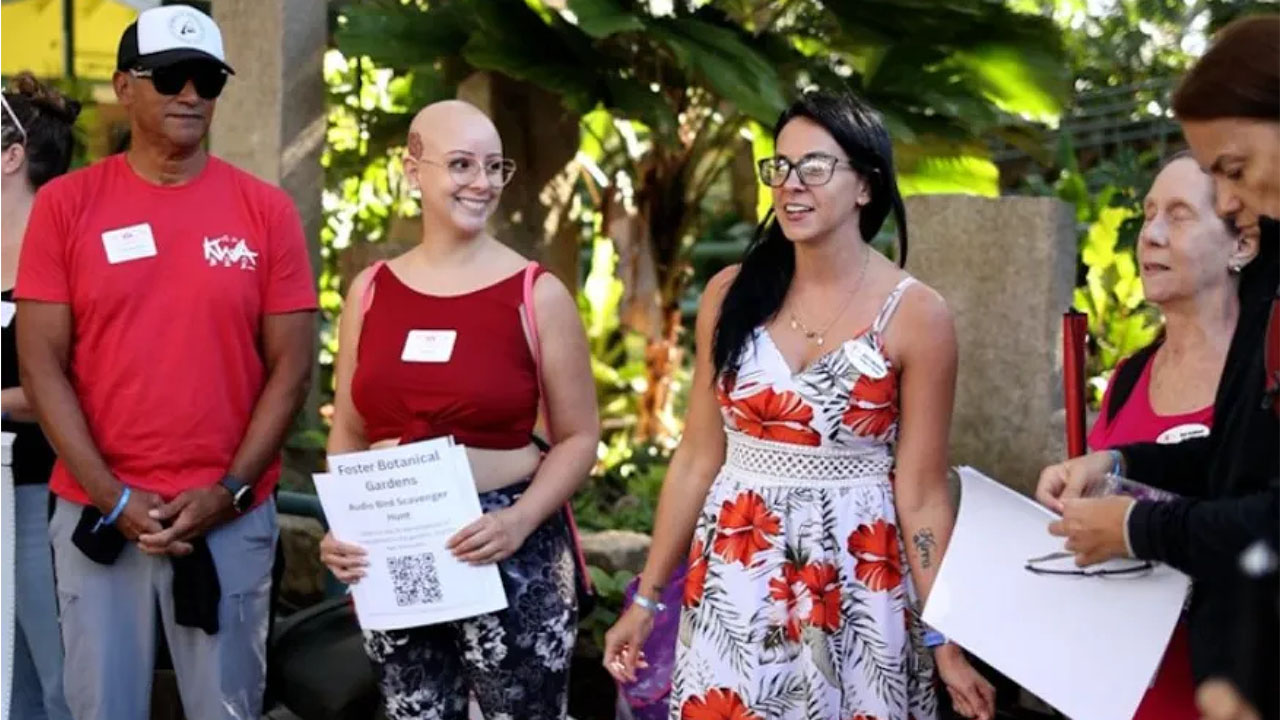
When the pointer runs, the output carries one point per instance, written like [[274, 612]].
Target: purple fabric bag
[[647, 697]]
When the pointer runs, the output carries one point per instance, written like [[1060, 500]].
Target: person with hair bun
[[37, 126]]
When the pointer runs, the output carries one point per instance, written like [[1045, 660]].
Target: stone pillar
[[542, 137], [271, 119], [1006, 267]]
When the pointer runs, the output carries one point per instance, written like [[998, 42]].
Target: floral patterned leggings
[[515, 662]]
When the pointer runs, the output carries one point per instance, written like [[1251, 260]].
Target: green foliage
[[1119, 321], [610, 590], [623, 491], [1108, 220], [368, 105], [1137, 40]]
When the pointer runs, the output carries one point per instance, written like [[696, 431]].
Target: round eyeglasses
[[465, 169]]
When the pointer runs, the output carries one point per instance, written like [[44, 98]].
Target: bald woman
[[481, 383]]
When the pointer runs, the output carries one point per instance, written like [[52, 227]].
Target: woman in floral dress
[[810, 489]]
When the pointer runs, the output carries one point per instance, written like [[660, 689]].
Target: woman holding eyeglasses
[[482, 383], [1228, 105], [810, 487]]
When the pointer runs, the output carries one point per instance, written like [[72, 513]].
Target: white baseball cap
[[170, 34]]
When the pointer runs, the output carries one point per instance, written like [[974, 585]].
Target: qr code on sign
[[414, 579]]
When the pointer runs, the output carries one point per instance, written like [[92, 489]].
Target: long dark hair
[[47, 117], [756, 294]]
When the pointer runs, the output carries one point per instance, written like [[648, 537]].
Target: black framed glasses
[[813, 169], [1044, 565], [208, 78], [464, 169]]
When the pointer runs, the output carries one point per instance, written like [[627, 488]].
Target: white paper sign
[[401, 505], [7, 310], [1089, 646]]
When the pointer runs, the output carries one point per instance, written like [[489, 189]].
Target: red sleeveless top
[[485, 395]]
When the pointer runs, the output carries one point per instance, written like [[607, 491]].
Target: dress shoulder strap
[[530, 318], [891, 305], [366, 297]]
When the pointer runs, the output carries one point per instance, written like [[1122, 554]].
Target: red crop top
[[485, 395]]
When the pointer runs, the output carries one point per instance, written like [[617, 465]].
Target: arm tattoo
[[925, 546]]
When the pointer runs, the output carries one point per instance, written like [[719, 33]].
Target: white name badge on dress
[[428, 346], [129, 243], [7, 309], [1179, 433], [866, 359]]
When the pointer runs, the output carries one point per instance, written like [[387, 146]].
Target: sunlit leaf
[[958, 174], [761, 147], [1029, 81]]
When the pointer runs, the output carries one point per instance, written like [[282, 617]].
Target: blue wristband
[[653, 607], [1116, 457], [933, 638], [114, 515]]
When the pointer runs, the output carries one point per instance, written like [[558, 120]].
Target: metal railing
[[1108, 118]]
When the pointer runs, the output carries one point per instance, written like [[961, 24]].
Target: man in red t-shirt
[[166, 304]]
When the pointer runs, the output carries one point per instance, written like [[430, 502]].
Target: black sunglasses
[[209, 79]]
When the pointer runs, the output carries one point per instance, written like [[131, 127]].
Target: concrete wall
[[1006, 266]]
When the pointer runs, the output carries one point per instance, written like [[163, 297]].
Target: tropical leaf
[[781, 694], [512, 39], [720, 58], [686, 629], [719, 618], [632, 99], [761, 147], [602, 18], [876, 661], [935, 169], [398, 35], [1028, 81], [820, 652], [1100, 244], [597, 127]]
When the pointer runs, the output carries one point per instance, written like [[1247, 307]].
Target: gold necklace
[[818, 337]]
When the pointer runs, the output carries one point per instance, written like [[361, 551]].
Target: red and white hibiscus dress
[[798, 602]]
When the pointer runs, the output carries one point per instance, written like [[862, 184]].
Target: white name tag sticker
[[1179, 433], [7, 309], [866, 359], [129, 243], [429, 346]]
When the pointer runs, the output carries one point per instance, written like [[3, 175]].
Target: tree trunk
[[542, 137]]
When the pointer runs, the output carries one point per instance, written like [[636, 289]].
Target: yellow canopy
[[31, 36]]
